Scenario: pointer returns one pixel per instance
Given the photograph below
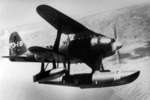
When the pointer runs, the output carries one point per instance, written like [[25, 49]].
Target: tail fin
[[16, 45]]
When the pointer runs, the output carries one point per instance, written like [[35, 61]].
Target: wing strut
[[56, 45], [57, 41]]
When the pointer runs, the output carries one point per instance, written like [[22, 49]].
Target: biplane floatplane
[[85, 46]]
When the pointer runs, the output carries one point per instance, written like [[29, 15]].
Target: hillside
[[131, 22]]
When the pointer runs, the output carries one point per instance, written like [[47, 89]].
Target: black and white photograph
[[74, 50]]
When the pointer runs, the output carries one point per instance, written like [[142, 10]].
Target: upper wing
[[63, 22]]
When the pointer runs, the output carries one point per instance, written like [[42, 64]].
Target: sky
[[17, 12], [16, 81]]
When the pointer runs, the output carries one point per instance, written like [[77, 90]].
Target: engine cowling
[[105, 46], [102, 46]]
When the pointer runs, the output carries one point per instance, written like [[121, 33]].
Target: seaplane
[[82, 46]]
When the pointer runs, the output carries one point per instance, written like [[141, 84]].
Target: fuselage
[[88, 48], [73, 51]]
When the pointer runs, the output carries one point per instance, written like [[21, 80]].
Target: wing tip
[[42, 7]]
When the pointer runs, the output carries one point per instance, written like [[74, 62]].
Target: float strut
[[54, 64], [42, 67], [68, 71]]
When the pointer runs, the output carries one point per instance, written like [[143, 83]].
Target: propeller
[[118, 46]]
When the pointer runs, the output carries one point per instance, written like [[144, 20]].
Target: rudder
[[16, 45]]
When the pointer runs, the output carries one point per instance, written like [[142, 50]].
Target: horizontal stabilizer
[[16, 58], [21, 56]]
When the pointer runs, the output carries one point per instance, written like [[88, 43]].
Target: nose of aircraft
[[118, 45]]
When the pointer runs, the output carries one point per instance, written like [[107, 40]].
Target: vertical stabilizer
[[16, 45]]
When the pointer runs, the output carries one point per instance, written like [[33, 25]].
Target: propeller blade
[[115, 33], [118, 58], [119, 45]]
